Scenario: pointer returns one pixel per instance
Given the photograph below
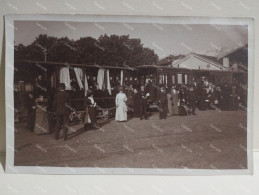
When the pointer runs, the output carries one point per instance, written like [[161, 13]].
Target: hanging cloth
[[108, 82], [86, 85], [186, 79], [64, 77], [121, 77], [79, 76], [100, 78], [104, 80]]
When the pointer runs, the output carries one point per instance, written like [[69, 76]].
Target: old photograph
[[133, 94]]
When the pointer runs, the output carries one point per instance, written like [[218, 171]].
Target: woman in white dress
[[121, 107]]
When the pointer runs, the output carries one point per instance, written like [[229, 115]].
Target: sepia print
[[131, 95]]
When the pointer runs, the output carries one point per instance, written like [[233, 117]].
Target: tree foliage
[[113, 50]]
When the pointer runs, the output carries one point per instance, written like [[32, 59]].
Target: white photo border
[[9, 75]]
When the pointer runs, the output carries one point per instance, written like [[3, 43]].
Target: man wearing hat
[[191, 99], [62, 109], [137, 102], [162, 101]]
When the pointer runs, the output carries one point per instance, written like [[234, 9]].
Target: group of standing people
[[171, 101], [131, 100], [37, 108], [182, 100], [43, 110], [174, 102], [168, 102]]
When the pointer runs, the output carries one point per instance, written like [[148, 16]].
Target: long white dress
[[41, 120], [121, 107]]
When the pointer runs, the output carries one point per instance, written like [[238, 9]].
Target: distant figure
[[61, 106], [182, 96], [130, 94], [40, 87], [74, 85], [92, 83], [144, 104], [121, 107], [151, 90], [50, 109], [31, 107], [203, 97], [137, 103], [225, 97], [90, 112], [218, 97], [211, 98], [169, 102], [233, 97], [175, 110], [162, 103], [191, 100]]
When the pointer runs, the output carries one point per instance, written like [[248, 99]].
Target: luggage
[[203, 106], [183, 111]]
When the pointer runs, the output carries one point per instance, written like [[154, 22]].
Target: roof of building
[[169, 60], [210, 59]]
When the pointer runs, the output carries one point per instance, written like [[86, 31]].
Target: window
[[179, 78]]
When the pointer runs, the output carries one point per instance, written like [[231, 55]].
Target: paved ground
[[209, 140]]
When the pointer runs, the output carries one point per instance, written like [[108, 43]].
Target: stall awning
[[74, 65]]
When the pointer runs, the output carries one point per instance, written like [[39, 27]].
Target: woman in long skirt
[[41, 119], [175, 97], [121, 107]]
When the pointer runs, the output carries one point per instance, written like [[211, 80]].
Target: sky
[[164, 39]]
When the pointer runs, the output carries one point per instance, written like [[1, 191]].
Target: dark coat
[[137, 104], [225, 98], [202, 101], [30, 105], [182, 96], [130, 94], [144, 98], [191, 97], [61, 103], [163, 104], [152, 91], [40, 88]]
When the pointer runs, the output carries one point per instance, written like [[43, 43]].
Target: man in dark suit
[[225, 97], [31, 107], [137, 103], [191, 99], [162, 100], [144, 104], [62, 109]]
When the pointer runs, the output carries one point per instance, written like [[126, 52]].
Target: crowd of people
[[179, 100], [50, 111]]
